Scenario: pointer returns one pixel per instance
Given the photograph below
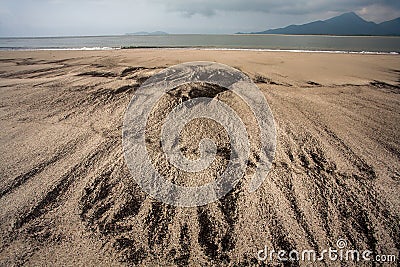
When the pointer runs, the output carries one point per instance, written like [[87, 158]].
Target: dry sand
[[67, 197]]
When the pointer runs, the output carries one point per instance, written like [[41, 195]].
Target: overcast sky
[[103, 17]]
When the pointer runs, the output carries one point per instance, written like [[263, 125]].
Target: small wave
[[264, 50], [301, 51], [198, 48], [59, 48]]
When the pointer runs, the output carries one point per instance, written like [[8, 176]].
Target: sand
[[68, 198]]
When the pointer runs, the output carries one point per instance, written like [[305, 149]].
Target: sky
[[109, 17]]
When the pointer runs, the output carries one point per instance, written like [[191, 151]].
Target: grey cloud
[[294, 7]]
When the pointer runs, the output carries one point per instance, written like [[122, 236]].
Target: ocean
[[295, 43]]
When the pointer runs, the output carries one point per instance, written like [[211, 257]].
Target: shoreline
[[7, 49]]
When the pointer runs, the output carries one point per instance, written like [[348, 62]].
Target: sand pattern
[[68, 198]]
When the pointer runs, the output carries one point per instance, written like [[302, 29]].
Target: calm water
[[273, 42]]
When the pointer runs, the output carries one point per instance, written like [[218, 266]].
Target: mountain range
[[345, 24]]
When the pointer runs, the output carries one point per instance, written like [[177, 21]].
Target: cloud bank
[[292, 7]]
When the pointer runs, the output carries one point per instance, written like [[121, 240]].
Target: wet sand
[[67, 197]]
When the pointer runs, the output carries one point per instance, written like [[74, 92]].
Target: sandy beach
[[67, 197]]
